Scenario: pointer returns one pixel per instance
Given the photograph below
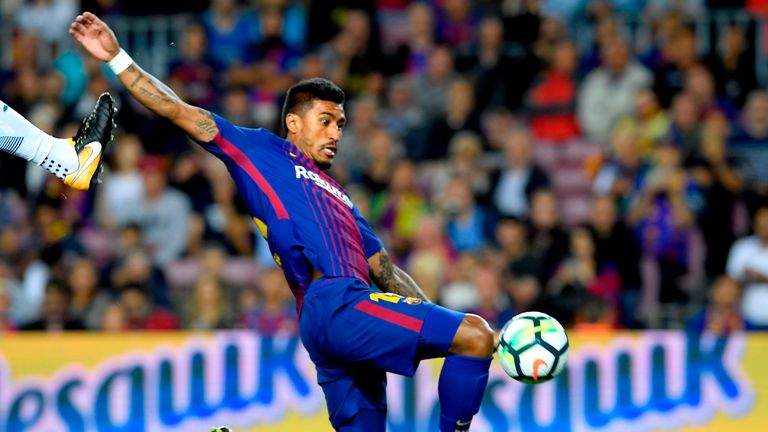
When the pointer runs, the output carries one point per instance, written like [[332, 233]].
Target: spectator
[[607, 30], [513, 185], [236, 105], [492, 305], [700, 85], [749, 145], [430, 239], [525, 294], [384, 153], [55, 316], [231, 31], [194, 75], [551, 33], [718, 178], [679, 57], [352, 54], [411, 56], [522, 21], [688, 9], [141, 313], [548, 239], [733, 66], [188, 176], [459, 115], [208, 308], [6, 305], [622, 175], [456, 22], [748, 264], [164, 214], [427, 270], [662, 217], [465, 152], [113, 319], [400, 115], [432, 86], [459, 293], [497, 124], [723, 313], [512, 240], [551, 100], [47, 19], [608, 92], [685, 127], [274, 312], [468, 225], [123, 189], [595, 314], [136, 268], [396, 210], [282, 34], [88, 299], [24, 304], [581, 277], [489, 66], [615, 245], [648, 123], [354, 154]]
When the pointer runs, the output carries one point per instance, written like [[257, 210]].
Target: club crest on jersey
[[302, 172], [412, 300]]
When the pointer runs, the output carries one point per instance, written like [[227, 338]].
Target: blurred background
[[605, 161]]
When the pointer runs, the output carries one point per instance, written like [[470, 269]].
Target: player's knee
[[475, 337]]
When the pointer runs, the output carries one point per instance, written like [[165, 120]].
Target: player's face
[[319, 132]]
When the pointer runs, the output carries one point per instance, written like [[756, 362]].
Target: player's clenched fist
[[95, 36]]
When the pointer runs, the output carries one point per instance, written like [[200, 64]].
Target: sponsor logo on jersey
[[302, 172]]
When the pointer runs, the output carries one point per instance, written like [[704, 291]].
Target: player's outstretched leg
[[465, 374], [76, 161]]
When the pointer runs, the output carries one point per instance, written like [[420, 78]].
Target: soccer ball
[[533, 347]]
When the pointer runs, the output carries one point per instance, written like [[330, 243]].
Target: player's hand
[[95, 36]]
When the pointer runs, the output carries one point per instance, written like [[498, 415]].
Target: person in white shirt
[[748, 264], [608, 92]]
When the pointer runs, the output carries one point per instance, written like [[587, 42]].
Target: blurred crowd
[[605, 161]]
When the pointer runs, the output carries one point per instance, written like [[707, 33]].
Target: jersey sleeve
[[371, 242], [233, 141]]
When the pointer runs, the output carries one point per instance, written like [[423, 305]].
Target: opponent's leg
[[21, 138], [465, 373], [75, 161]]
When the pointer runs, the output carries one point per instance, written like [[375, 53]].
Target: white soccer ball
[[533, 347]]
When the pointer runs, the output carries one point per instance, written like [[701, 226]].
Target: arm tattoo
[[138, 78], [157, 99], [207, 125], [163, 101], [395, 280]]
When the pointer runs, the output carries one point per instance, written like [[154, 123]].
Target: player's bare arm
[[100, 41], [391, 278]]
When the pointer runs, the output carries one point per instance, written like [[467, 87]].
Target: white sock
[[21, 138]]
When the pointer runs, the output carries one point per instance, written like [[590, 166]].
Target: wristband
[[120, 62]]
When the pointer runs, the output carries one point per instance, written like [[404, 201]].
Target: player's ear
[[292, 122]]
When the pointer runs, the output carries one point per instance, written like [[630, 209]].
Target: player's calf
[[465, 374], [474, 338]]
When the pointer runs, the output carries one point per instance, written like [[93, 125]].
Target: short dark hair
[[301, 94]]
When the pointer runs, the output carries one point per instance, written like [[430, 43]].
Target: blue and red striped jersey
[[304, 214]]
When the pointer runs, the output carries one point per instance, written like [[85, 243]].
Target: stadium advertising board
[[183, 382]]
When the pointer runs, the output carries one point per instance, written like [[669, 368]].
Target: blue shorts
[[354, 334]]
